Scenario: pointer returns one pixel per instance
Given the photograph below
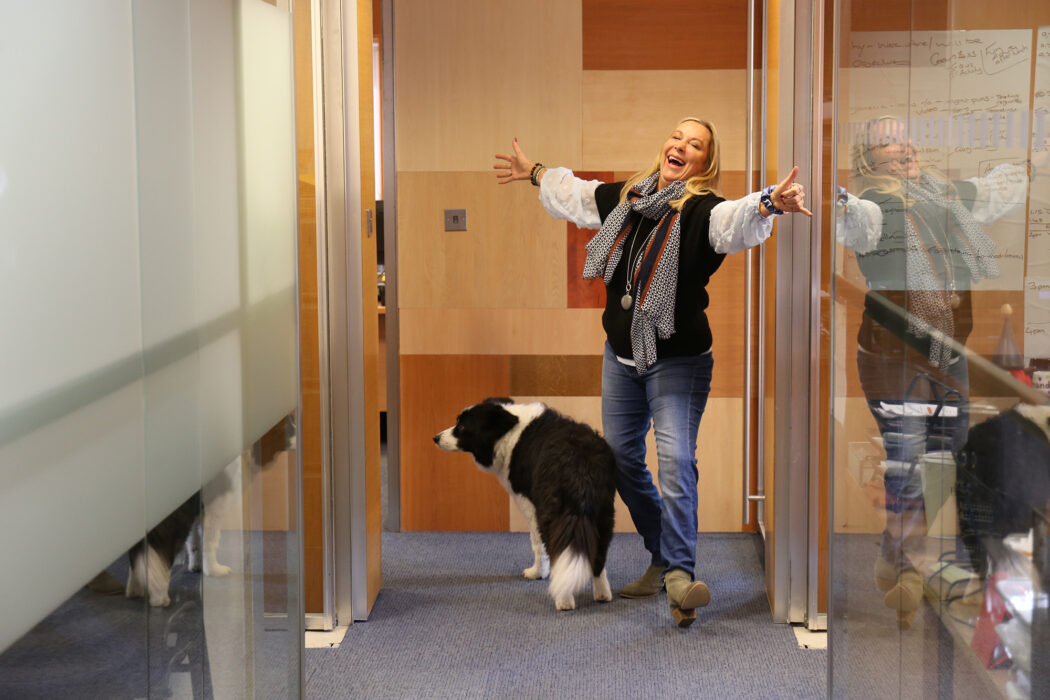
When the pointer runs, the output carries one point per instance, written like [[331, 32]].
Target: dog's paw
[[566, 603], [161, 601], [534, 572], [602, 590], [217, 570]]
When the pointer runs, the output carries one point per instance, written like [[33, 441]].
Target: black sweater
[[697, 261], [885, 268]]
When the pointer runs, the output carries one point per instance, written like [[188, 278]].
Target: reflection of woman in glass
[[920, 264]]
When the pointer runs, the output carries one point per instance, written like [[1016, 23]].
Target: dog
[[562, 476], [189, 528]]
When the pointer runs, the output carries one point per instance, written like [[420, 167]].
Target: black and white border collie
[[562, 476]]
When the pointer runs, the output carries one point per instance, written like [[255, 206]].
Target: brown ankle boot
[[684, 596], [651, 583], [885, 574], [905, 597]]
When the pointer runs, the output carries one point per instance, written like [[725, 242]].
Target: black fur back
[[568, 471]]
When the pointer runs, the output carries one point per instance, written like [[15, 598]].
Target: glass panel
[[147, 237], [941, 457]]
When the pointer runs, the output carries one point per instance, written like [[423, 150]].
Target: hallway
[[455, 619]]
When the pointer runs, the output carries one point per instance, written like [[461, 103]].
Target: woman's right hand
[[516, 167]]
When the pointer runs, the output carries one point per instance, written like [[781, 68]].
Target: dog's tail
[[570, 572], [576, 555]]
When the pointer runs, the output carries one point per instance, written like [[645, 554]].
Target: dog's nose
[[437, 439]]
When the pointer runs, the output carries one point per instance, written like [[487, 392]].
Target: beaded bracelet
[[767, 201], [535, 171]]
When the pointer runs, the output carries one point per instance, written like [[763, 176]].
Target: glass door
[[940, 460]]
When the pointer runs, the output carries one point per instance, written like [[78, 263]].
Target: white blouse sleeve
[[566, 196], [858, 224], [1000, 192], [736, 225]]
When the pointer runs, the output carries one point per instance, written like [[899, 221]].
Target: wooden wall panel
[[580, 293], [309, 428], [370, 305], [501, 332], [474, 74], [726, 316], [629, 114], [668, 34], [512, 254], [486, 293], [720, 453], [442, 490], [556, 375]]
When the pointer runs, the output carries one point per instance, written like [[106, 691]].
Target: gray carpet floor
[[455, 619]]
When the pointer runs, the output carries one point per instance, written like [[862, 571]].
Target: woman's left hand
[[789, 196]]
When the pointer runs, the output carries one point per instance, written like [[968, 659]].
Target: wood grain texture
[[309, 429], [556, 375], [581, 293], [512, 254], [571, 331], [662, 34], [625, 126], [473, 74], [441, 490], [726, 316], [501, 331], [370, 303]]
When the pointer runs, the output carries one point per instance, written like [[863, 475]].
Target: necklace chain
[[632, 262], [626, 301]]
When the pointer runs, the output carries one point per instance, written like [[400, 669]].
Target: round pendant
[[626, 301], [955, 300]]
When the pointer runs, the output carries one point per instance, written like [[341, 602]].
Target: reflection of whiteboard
[[964, 96], [1039, 192], [1037, 317], [1037, 282]]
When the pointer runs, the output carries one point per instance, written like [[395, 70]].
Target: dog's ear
[[481, 428], [501, 400]]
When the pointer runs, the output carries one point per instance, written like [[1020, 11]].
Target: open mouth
[[677, 162]]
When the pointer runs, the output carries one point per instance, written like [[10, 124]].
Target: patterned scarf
[[929, 303], [655, 274]]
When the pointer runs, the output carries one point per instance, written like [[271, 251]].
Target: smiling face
[[891, 152], [685, 153]]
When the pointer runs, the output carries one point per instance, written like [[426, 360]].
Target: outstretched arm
[[743, 223], [788, 197], [562, 194]]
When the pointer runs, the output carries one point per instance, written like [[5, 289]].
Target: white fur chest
[[526, 413]]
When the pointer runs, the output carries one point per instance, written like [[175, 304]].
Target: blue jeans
[[907, 438], [672, 395]]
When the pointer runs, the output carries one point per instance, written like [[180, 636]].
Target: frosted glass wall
[[147, 289]]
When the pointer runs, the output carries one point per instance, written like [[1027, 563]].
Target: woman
[[921, 254], [663, 233]]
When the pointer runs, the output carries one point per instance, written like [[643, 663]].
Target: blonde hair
[[701, 183], [864, 176]]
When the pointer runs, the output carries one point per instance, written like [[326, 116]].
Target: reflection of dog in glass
[[194, 527], [189, 527]]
